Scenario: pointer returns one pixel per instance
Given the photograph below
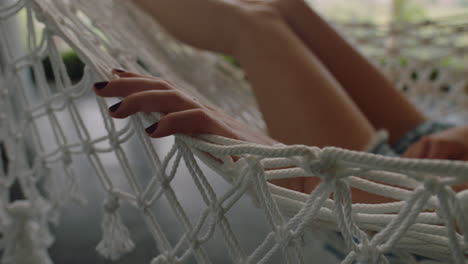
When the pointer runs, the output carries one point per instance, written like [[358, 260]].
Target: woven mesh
[[46, 132]]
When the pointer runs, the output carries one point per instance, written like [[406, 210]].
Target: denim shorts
[[414, 135]]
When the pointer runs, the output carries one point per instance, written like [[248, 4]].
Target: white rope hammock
[[429, 219], [427, 60]]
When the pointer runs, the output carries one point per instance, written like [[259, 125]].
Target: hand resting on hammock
[[182, 114], [185, 115], [314, 88]]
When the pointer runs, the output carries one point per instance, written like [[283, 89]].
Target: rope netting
[[45, 130], [427, 60]]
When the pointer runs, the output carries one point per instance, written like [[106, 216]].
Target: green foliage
[[408, 10], [73, 64]]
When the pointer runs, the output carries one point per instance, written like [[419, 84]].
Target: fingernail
[[115, 107], [152, 128], [119, 71], [100, 85]]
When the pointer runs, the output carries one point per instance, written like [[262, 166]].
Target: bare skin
[[378, 99], [287, 67]]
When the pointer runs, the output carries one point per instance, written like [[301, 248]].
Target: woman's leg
[[300, 100], [377, 98]]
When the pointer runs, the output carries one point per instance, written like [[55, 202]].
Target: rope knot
[[244, 180], [66, 156], [165, 183], [325, 169], [88, 148], [195, 243], [368, 254], [112, 204], [141, 202], [116, 240], [252, 161], [217, 211], [283, 236], [26, 237], [434, 186], [114, 140]]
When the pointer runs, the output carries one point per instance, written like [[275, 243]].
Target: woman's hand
[[181, 113], [450, 144]]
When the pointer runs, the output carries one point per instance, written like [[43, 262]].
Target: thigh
[[377, 98], [301, 102]]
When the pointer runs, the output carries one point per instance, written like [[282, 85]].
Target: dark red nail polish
[[119, 71], [152, 128], [100, 85], [115, 107]]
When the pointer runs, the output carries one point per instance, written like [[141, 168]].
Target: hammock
[[40, 153]]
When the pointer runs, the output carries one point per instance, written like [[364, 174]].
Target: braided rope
[[46, 132]]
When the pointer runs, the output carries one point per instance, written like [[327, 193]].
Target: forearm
[[367, 85]]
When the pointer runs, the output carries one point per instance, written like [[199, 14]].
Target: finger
[[409, 151], [194, 121], [126, 86], [413, 150], [459, 152], [439, 150], [418, 150], [421, 152], [444, 150], [153, 101]]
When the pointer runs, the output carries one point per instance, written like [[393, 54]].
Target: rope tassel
[[116, 240], [26, 239]]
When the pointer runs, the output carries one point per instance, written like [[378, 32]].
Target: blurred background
[[377, 12], [386, 11]]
